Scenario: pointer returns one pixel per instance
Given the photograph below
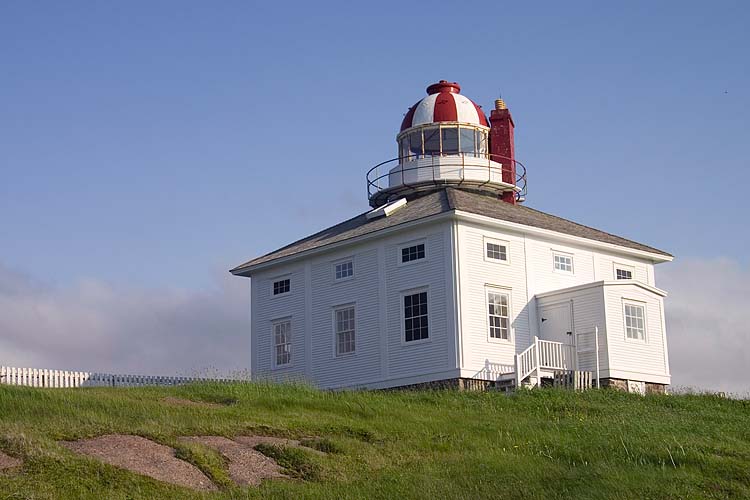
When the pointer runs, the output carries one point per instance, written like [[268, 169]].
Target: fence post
[[596, 348]]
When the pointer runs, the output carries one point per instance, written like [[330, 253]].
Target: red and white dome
[[444, 103]]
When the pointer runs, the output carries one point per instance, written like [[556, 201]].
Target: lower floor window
[[635, 322], [282, 335], [345, 330], [415, 317], [499, 317]]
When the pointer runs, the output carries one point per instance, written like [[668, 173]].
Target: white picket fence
[[34, 377]]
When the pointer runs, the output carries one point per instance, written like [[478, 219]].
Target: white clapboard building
[[450, 280]]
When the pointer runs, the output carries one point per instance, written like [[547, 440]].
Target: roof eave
[[247, 270]]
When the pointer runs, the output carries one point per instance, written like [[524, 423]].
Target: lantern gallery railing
[[412, 173]]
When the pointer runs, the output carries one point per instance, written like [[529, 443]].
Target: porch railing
[[544, 354]]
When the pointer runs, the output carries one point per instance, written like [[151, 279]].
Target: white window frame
[[411, 244], [493, 241], [643, 306], [402, 315], [339, 262], [276, 280], [508, 293], [336, 309], [556, 253], [274, 323], [623, 267]]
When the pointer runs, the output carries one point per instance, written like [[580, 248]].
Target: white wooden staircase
[[542, 359]]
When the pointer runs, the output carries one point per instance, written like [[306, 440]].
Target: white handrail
[[544, 354]]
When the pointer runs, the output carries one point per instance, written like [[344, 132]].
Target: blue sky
[[147, 147], [155, 143]]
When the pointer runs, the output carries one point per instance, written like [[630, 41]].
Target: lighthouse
[[446, 140], [450, 279]]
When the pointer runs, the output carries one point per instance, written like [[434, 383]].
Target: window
[[412, 253], [449, 140], [282, 339], [563, 263], [344, 328], [281, 287], [499, 315], [635, 321], [623, 272], [415, 317], [496, 250], [344, 270]]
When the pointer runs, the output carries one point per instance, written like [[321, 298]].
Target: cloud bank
[[708, 323], [94, 326]]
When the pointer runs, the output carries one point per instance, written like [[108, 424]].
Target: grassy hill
[[538, 444]]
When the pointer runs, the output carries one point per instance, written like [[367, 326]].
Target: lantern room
[[446, 140]]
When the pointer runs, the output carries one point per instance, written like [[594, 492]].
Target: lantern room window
[[443, 139]]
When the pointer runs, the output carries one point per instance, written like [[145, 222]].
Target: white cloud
[[93, 326], [708, 323]]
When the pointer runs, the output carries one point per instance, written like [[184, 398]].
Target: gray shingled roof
[[441, 201]]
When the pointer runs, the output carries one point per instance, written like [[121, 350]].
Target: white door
[[555, 323]]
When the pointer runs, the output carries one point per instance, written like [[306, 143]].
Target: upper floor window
[[344, 270], [496, 250], [499, 314], [563, 262], [623, 272], [282, 339], [635, 321], [281, 287], [344, 326], [415, 317], [412, 253]]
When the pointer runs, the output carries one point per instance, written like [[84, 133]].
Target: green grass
[[543, 444]]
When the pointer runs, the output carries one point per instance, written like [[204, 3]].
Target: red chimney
[[501, 145]]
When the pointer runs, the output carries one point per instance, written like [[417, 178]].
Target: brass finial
[[500, 104]]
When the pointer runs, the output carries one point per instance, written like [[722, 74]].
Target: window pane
[[415, 142], [467, 140], [411, 253], [481, 140], [498, 315], [432, 140], [415, 317], [450, 140]]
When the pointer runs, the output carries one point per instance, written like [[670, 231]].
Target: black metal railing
[[379, 177]]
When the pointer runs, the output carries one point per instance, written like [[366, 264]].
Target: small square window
[[635, 322], [623, 274], [415, 317], [344, 270], [563, 263], [412, 253], [281, 287], [495, 250]]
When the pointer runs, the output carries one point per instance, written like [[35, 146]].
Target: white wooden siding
[[408, 359], [362, 291], [476, 274], [266, 309], [633, 359], [530, 272], [375, 290]]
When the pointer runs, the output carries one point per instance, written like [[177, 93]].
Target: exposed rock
[[142, 456], [246, 466]]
